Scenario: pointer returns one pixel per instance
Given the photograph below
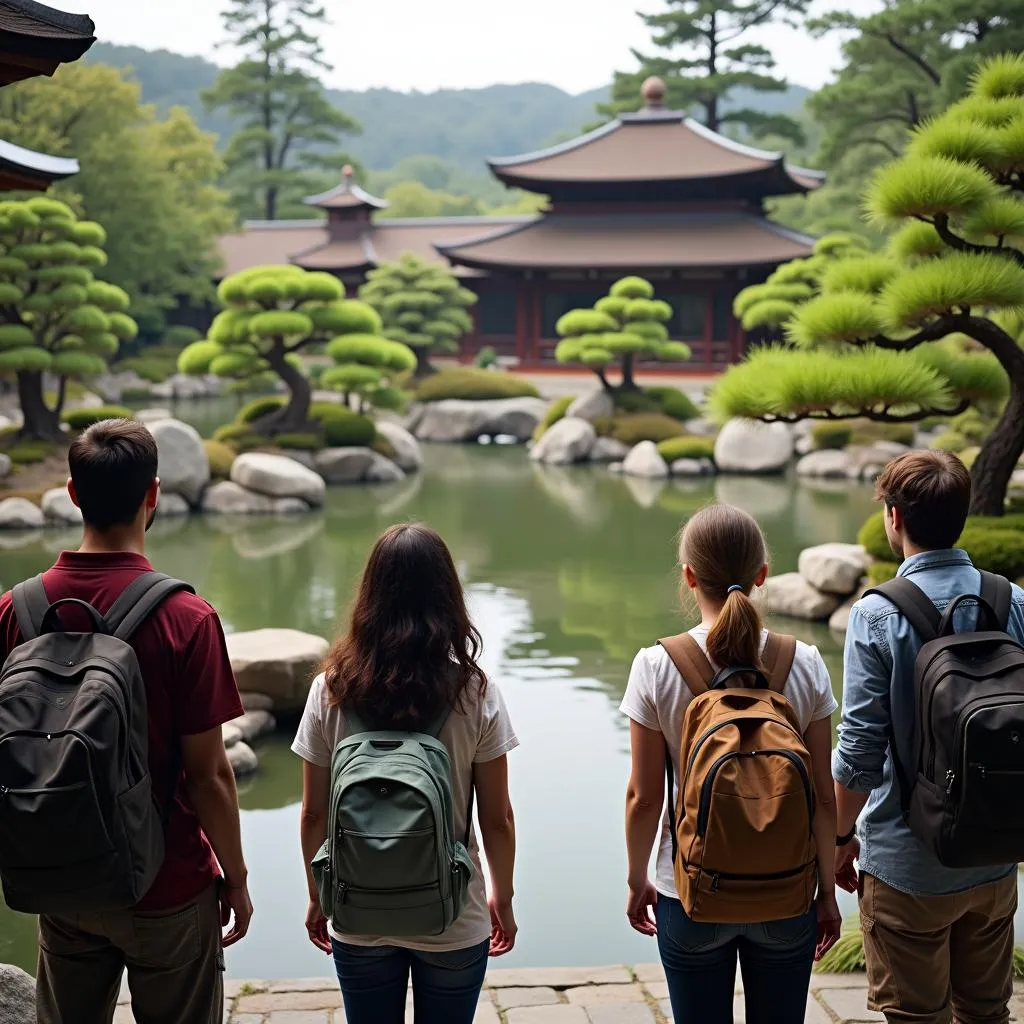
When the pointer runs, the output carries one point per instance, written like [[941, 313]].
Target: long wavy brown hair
[[411, 648]]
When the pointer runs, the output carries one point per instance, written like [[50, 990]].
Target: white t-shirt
[[657, 698], [480, 732]]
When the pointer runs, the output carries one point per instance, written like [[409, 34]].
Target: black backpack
[[964, 798], [79, 828]]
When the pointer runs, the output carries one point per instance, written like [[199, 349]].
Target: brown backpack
[[742, 839]]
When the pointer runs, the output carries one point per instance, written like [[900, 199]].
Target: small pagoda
[[653, 193]]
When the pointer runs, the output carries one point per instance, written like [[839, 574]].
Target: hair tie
[[733, 588]]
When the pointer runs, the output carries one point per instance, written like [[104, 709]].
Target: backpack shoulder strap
[[777, 658], [913, 604], [691, 661], [139, 600], [30, 603], [997, 593]]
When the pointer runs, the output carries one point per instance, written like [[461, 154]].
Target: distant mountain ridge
[[463, 126]]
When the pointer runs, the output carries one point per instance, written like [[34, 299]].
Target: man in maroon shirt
[[172, 942]]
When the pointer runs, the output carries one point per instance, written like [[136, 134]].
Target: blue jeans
[[375, 979], [700, 966]]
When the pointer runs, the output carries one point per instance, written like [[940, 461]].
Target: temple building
[[652, 193], [36, 40]]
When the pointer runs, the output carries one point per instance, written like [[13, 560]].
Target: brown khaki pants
[[933, 959], [174, 960]]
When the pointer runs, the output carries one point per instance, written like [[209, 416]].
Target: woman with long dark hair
[[408, 658]]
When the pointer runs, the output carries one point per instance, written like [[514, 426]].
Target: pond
[[569, 572]]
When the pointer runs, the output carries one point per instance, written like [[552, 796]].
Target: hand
[[503, 927], [640, 899], [235, 903], [316, 926], [846, 873], [830, 922]]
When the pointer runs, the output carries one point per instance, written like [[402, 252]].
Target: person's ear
[[761, 576], [153, 494], [73, 493], [691, 580], [895, 516]]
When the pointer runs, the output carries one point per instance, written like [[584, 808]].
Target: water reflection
[[569, 573]]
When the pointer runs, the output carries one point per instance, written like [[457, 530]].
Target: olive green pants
[[174, 961]]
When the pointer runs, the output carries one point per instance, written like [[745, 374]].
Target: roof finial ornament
[[653, 92], [347, 172]]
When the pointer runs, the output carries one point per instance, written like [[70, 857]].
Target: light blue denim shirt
[[878, 687]]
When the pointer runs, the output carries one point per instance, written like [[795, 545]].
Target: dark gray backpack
[[79, 828], [961, 782]]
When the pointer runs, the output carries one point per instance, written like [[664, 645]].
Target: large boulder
[[17, 996], [181, 385], [356, 465], [644, 460], [172, 506], [154, 415], [20, 514], [5, 466], [254, 724], [839, 620], [277, 476], [243, 759], [592, 406], [790, 594], [279, 663], [383, 471], [748, 446], [408, 453], [833, 568], [228, 498], [692, 467], [826, 463], [607, 449], [184, 467], [565, 442], [456, 419], [59, 509]]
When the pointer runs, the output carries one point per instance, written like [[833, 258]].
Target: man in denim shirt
[[938, 941]]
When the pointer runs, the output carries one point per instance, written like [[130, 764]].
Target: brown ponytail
[[724, 548]]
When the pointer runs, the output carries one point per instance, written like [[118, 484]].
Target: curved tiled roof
[[632, 242], [25, 169], [35, 39], [348, 195], [652, 146]]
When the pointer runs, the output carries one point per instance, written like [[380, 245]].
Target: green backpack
[[391, 864]]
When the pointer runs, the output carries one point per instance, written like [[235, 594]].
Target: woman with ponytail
[[723, 557]]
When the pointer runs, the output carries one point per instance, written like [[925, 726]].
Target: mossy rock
[[472, 384], [29, 453], [673, 402], [641, 426], [873, 538], [221, 456], [299, 442], [556, 411], [81, 419], [687, 447], [382, 446]]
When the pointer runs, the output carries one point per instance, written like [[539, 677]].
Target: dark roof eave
[[36, 165], [493, 265]]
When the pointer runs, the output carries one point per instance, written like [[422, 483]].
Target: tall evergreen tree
[[703, 57], [286, 123]]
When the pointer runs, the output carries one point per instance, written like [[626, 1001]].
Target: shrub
[[299, 442], [873, 539], [645, 426], [636, 401], [79, 419], [867, 432], [471, 383], [951, 441], [136, 395], [831, 435], [221, 456], [259, 407], [486, 358], [674, 403], [881, 572], [687, 447], [994, 546], [239, 435], [155, 369], [342, 428], [556, 411], [970, 455], [847, 955], [27, 453]]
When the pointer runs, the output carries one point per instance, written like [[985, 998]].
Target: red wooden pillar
[[709, 327]]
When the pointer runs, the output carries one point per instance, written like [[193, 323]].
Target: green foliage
[[674, 403], [950, 441], [872, 537], [640, 426], [299, 442], [275, 98], [238, 435], [881, 572], [829, 434], [847, 955], [486, 358], [687, 447], [342, 428], [860, 274], [28, 453], [555, 412], [221, 457], [422, 305], [474, 385], [79, 419], [258, 408], [867, 432], [368, 366], [836, 317], [382, 446]]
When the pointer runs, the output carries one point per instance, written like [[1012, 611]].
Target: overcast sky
[[409, 44]]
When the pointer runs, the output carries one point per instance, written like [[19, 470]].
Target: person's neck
[[709, 611], [125, 540], [910, 549]]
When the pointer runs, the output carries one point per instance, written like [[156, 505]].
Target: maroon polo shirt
[[190, 689]]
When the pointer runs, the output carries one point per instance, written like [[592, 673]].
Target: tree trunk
[[628, 383], [41, 422], [293, 418], [423, 364]]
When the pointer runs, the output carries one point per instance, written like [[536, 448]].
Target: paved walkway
[[550, 995]]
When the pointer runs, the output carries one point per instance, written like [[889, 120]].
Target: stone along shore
[[547, 995]]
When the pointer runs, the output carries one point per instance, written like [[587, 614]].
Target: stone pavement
[[548, 995]]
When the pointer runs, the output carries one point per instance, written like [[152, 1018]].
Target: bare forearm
[[825, 839], [849, 806], [642, 820], [499, 841], [215, 801], [313, 832]]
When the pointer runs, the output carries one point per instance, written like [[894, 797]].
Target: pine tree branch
[[874, 415], [941, 224], [933, 332], [914, 58]]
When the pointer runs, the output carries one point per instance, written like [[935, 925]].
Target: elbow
[[313, 818], [640, 804], [857, 778], [498, 825]]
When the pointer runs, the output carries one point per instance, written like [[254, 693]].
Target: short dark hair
[[932, 490], [113, 464]]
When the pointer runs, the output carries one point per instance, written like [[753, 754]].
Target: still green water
[[569, 572]]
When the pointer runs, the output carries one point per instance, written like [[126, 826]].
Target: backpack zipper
[[707, 789], [772, 876], [963, 721]]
